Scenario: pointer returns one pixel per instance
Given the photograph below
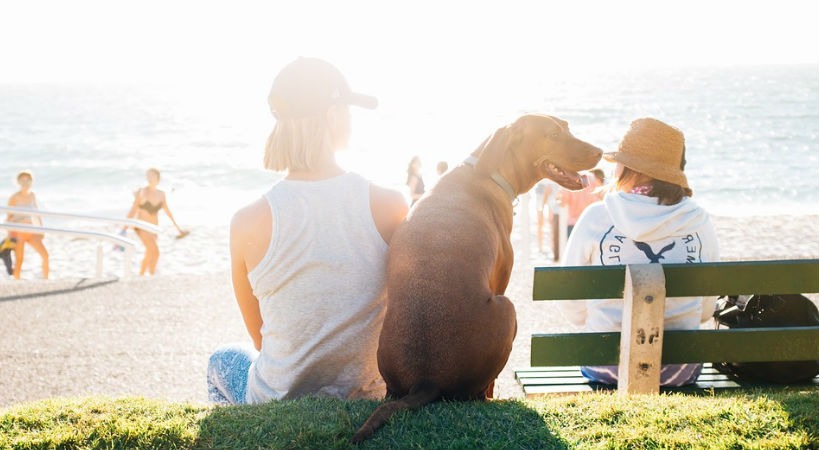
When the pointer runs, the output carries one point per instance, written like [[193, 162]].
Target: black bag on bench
[[764, 311]]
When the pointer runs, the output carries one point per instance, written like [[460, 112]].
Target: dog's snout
[[596, 153]]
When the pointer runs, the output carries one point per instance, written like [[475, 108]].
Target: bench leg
[[642, 334]]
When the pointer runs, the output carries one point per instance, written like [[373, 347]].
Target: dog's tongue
[[568, 179], [574, 181]]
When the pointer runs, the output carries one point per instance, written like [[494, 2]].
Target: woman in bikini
[[148, 201], [25, 199]]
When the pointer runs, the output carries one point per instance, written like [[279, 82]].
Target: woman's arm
[[134, 206], [12, 202], [167, 210], [39, 219], [578, 252], [710, 253], [240, 237]]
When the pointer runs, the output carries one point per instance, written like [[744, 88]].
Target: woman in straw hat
[[648, 217], [308, 258]]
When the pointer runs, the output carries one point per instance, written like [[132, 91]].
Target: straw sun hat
[[653, 148]]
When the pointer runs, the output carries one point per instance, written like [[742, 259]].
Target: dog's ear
[[495, 148]]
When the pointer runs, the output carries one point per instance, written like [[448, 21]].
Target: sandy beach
[[77, 336]]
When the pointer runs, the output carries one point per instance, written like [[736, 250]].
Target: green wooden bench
[[555, 358]]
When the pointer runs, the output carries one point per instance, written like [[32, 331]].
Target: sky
[[427, 43], [425, 60]]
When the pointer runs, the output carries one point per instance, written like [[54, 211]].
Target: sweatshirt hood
[[640, 217]]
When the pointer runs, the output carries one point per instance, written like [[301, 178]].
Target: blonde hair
[[24, 173], [298, 144], [154, 170]]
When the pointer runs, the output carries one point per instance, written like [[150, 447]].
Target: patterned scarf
[[642, 190]]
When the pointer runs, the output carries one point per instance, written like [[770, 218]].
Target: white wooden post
[[641, 339], [563, 232], [126, 262], [525, 229], [99, 259]]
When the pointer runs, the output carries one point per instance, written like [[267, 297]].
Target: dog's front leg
[[503, 269]]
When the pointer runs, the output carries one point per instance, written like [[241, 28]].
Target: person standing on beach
[[308, 259], [415, 180], [546, 192], [649, 217], [441, 168], [577, 201], [24, 198], [148, 201]]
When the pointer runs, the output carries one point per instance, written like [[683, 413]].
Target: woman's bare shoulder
[[388, 199], [389, 208], [250, 217], [19, 197], [250, 230]]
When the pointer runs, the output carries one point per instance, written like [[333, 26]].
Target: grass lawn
[[752, 419]]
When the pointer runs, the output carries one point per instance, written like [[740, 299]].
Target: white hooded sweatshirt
[[630, 228]]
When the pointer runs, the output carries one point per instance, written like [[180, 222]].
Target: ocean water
[[752, 135]]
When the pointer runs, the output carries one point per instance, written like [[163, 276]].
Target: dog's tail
[[420, 394]]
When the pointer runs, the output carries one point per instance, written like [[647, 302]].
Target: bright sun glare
[[429, 41], [424, 54]]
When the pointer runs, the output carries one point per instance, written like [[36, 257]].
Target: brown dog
[[448, 328]]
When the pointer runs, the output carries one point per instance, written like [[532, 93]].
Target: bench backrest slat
[[711, 279], [681, 346]]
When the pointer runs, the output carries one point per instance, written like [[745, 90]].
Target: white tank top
[[320, 287]]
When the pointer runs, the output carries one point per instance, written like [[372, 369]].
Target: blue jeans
[[670, 374], [228, 367]]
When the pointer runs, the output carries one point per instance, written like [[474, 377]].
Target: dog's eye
[[553, 135]]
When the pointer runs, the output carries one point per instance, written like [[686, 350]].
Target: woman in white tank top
[[308, 258]]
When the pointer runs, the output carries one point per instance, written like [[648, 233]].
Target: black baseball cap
[[308, 86]]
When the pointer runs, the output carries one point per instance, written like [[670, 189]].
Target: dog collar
[[498, 179]]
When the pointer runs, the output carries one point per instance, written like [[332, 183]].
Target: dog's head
[[536, 147]]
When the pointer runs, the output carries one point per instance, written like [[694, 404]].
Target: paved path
[[148, 337]]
